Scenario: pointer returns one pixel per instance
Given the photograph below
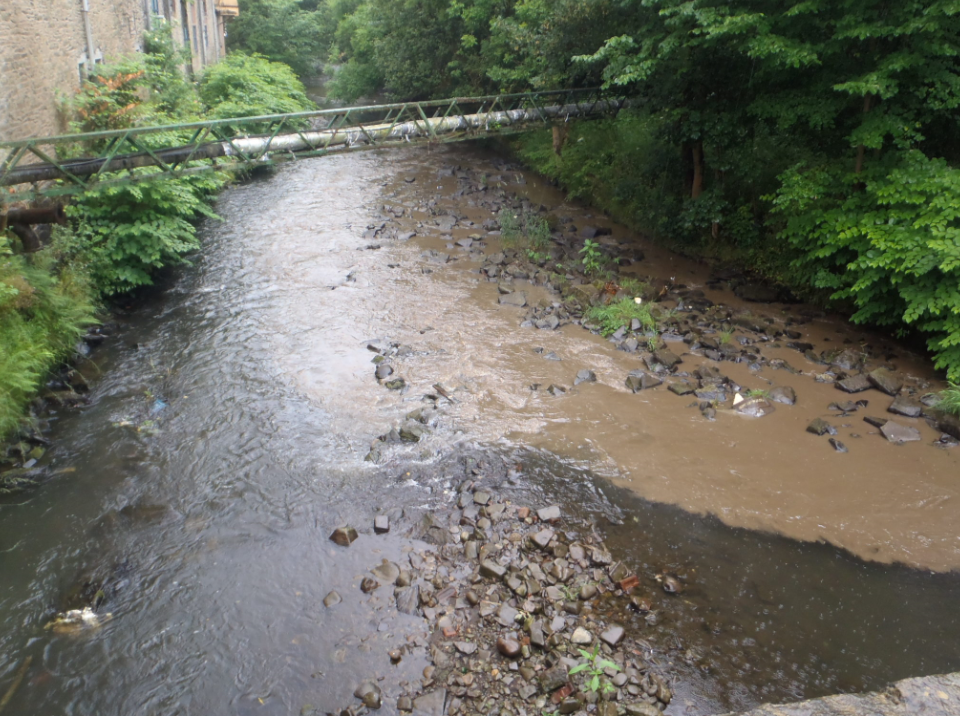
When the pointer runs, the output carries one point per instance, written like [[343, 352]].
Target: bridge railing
[[73, 163]]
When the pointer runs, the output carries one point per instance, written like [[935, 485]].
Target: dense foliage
[[249, 85], [810, 140], [45, 304], [120, 236], [288, 31]]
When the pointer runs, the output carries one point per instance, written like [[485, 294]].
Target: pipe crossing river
[[258, 149]]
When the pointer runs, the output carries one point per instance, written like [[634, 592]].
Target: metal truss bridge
[[73, 163]]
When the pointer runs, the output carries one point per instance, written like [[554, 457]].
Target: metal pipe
[[48, 215], [325, 139], [88, 31]]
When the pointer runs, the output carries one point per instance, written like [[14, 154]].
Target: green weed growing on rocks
[[950, 400], [617, 314]]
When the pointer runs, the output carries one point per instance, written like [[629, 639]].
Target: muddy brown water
[[229, 420]]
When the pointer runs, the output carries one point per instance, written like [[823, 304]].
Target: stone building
[[48, 46]]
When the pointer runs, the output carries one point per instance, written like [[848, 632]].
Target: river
[[231, 413]]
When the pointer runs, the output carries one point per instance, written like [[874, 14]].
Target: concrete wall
[[43, 50]]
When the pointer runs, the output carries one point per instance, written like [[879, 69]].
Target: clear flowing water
[[225, 438]]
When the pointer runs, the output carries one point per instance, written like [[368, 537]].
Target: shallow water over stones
[[206, 523]]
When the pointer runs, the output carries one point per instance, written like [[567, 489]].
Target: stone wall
[[43, 47], [43, 50]]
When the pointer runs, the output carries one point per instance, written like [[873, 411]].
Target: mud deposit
[[351, 345]]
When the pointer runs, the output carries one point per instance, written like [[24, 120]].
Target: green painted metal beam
[[73, 163]]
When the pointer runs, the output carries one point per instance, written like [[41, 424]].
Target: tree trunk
[[559, 138], [697, 188]]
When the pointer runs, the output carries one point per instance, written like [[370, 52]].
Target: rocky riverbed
[[360, 345], [527, 612]]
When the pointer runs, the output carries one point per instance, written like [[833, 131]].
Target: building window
[[155, 7]]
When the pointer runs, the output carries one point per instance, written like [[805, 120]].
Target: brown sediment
[[881, 501]]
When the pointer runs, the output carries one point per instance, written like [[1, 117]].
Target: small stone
[[681, 388], [404, 703], [431, 704], [507, 615], [897, 433], [466, 647], [549, 514], [642, 709], [387, 572], [552, 679], [671, 583], [848, 406], [618, 571], [874, 421], [581, 636], [492, 570], [854, 384], [885, 380], [395, 655], [369, 693], [641, 380], [542, 538], [556, 390], [667, 358], [381, 524], [408, 599], [908, 407], [783, 394], [599, 555], [481, 498], [837, 445], [508, 646], [384, 370], [588, 591], [395, 384], [369, 584], [332, 599], [612, 635], [585, 376], [537, 637], [570, 705], [819, 426], [516, 299], [343, 536], [411, 431]]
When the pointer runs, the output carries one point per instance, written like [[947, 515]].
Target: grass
[[525, 231], [633, 286], [620, 313], [950, 400]]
